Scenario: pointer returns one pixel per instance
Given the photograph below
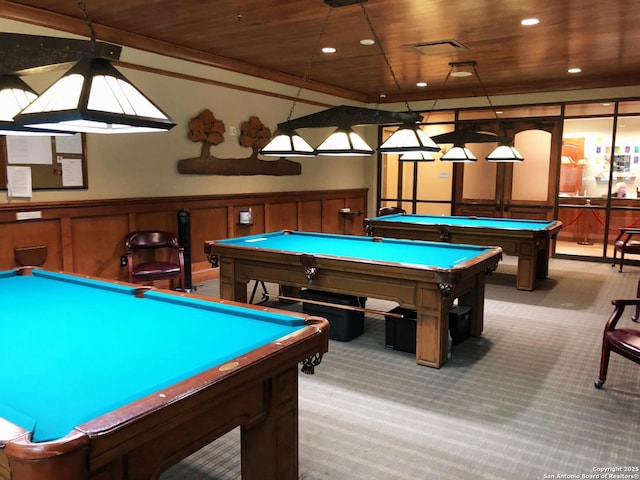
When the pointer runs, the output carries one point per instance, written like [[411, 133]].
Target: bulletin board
[[46, 162]]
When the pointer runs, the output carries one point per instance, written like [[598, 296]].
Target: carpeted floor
[[516, 403]]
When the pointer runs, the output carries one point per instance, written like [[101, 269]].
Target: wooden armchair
[[390, 211], [154, 255], [626, 243], [623, 341]]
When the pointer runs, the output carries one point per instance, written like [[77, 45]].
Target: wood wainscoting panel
[[332, 221], [310, 216], [207, 224], [31, 233], [87, 237], [281, 216], [98, 244], [161, 220]]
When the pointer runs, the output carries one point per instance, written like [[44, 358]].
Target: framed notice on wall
[[42, 163]]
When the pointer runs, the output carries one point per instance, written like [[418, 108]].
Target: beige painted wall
[[144, 165]]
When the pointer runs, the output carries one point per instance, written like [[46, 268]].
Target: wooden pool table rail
[[532, 247]]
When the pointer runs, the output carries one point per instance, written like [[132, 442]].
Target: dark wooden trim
[[77, 26]]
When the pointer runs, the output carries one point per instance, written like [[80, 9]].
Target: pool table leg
[[432, 330], [527, 262], [542, 264], [230, 288], [533, 263], [431, 327], [270, 448]]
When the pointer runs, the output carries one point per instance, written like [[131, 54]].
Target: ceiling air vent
[[438, 47]]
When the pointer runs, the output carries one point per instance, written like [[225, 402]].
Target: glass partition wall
[[594, 179], [600, 177]]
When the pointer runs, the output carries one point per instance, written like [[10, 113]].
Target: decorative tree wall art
[[209, 131]]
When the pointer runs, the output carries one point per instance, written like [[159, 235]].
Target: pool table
[[422, 276], [530, 240], [109, 380]]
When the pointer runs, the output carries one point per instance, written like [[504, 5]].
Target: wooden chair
[[154, 255], [625, 243], [390, 211], [623, 341]]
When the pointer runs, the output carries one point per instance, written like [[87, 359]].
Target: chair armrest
[[619, 306], [630, 231], [626, 301]]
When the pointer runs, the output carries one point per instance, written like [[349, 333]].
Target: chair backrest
[[150, 239], [154, 255], [390, 211]]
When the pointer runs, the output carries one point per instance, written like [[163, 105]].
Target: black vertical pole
[[184, 237]]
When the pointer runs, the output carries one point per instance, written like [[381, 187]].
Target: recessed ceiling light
[[367, 42], [421, 84], [328, 50], [529, 21], [574, 70]]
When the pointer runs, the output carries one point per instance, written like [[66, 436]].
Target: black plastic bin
[[400, 333], [344, 325]]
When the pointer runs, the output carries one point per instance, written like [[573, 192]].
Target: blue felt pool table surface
[[74, 348], [361, 248], [469, 221]]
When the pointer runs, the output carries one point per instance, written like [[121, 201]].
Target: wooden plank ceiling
[[279, 39]]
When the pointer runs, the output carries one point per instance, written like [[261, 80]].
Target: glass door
[[516, 190]]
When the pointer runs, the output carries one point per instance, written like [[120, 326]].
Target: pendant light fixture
[[417, 157], [409, 138], [15, 95], [458, 153], [286, 142], [344, 142], [94, 97], [505, 152]]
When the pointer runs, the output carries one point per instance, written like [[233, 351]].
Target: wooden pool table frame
[[257, 391], [427, 290], [532, 247]]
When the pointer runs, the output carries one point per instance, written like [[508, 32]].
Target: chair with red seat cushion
[[625, 243], [154, 255], [623, 341]]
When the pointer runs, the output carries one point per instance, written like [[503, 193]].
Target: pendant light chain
[[384, 55], [484, 90], [86, 19], [309, 63]]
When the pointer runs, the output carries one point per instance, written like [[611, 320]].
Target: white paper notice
[[71, 172], [19, 182], [69, 143], [29, 150]]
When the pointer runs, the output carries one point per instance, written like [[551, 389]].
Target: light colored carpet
[[516, 403]]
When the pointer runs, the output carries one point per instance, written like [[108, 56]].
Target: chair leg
[[604, 365], [637, 314], [621, 260]]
